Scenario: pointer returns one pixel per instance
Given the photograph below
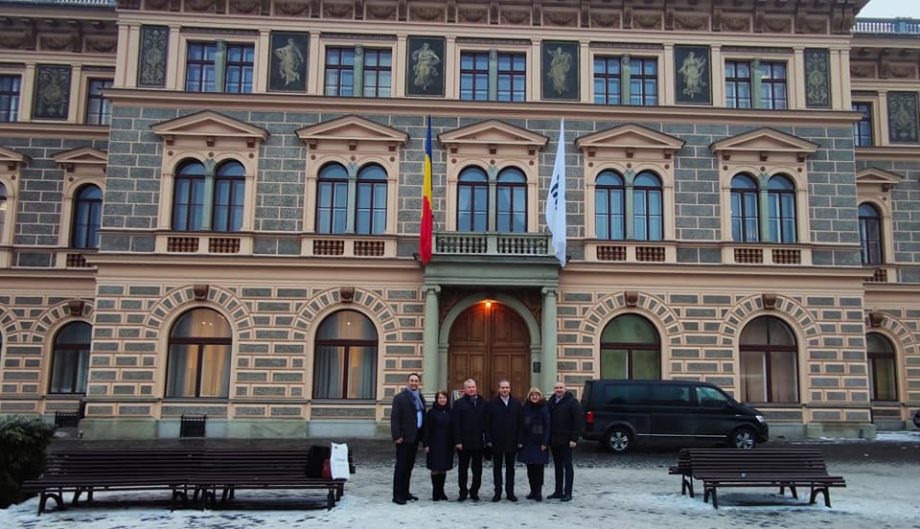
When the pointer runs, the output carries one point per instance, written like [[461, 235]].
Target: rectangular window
[[512, 76], [773, 86], [98, 108], [643, 82], [607, 80], [862, 129], [737, 84], [239, 69], [741, 78], [378, 66], [202, 72], [9, 97], [474, 76], [340, 71]]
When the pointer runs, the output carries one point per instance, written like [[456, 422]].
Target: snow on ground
[[901, 436], [878, 496]]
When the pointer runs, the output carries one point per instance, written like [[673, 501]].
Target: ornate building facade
[[211, 207]]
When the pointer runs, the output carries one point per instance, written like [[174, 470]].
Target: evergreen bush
[[23, 441]]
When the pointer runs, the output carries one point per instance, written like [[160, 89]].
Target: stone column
[[625, 86], [548, 331], [358, 79], [493, 75], [430, 373]]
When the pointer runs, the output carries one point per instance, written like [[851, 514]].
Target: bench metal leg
[[686, 485], [330, 500], [822, 490], [715, 499], [339, 491], [76, 495], [58, 498]]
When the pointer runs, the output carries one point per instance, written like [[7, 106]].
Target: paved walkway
[[632, 491]]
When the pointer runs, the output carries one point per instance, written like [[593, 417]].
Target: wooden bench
[[85, 471], [230, 470], [762, 467], [199, 472]]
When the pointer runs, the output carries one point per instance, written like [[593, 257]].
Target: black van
[[620, 413]]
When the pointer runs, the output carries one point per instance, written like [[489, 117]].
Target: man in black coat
[[406, 426], [469, 423], [504, 419], [565, 426]]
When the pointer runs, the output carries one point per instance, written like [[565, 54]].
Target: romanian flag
[[425, 235]]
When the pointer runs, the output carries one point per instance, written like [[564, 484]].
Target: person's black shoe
[[497, 497], [412, 497], [530, 496], [399, 501], [462, 497], [567, 497], [538, 497], [474, 497], [511, 497], [554, 496]]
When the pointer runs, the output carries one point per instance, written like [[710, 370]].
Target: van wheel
[[744, 438], [619, 439]]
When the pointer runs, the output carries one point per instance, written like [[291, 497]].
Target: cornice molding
[[888, 153], [70, 131], [455, 108]]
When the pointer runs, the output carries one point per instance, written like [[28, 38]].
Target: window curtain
[[327, 378]]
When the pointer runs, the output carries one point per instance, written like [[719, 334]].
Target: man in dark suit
[[469, 422], [565, 424], [406, 423], [503, 432]]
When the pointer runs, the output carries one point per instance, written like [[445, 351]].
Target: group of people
[[502, 428]]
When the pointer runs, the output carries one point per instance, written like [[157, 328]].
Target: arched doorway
[[488, 342]]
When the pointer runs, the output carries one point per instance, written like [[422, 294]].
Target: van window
[[670, 395], [710, 397], [618, 394]]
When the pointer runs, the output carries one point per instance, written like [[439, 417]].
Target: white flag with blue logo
[[555, 199]]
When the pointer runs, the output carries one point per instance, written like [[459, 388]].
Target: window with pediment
[[492, 178], [633, 184], [876, 238], [81, 217], [11, 163], [208, 172], [763, 175], [352, 171]]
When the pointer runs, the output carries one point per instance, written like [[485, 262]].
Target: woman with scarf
[[439, 444], [534, 451]]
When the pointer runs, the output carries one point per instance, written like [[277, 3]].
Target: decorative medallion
[[427, 13], [647, 21], [605, 20], [58, 42], [151, 69], [472, 15], [817, 78], [902, 117], [560, 18], [52, 92], [292, 8], [691, 22], [101, 44], [245, 7], [737, 24], [380, 12], [201, 6]]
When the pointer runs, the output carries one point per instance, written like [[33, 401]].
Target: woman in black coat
[[534, 451], [439, 444]]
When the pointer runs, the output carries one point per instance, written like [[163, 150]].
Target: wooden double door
[[488, 344]]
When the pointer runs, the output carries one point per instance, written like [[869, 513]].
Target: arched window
[[745, 210], [332, 199], [769, 354], [610, 206], [229, 194], [648, 220], [371, 211], [70, 358], [346, 357], [188, 198], [512, 200], [198, 364], [781, 204], [87, 216], [631, 349], [870, 234], [473, 200], [883, 371]]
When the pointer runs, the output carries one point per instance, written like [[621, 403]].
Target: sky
[[891, 9]]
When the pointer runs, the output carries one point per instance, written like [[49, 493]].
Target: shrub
[[23, 441]]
